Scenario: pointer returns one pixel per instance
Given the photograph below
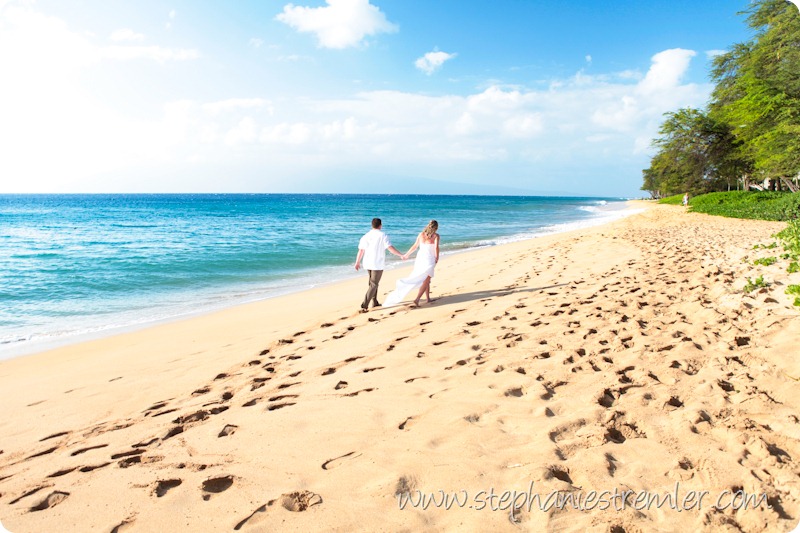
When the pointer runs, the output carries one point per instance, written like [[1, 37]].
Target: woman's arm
[[413, 246], [436, 240]]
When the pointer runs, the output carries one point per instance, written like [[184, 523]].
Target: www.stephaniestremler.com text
[[616, 499]]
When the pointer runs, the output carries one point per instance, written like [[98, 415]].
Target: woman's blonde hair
[[431, 228]]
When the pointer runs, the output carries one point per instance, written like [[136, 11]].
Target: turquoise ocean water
[[73, 266]]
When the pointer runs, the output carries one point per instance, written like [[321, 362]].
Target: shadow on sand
[[482, 295]]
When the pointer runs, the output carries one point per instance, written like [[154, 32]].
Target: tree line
[[748, 136]]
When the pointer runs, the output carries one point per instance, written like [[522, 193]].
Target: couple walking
[[372, 250]]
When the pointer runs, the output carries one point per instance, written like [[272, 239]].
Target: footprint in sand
[[559, 473], [300, 501], [216, 485], [163, 486], [258, 383], [406, 424], [356, 393], [125, 525], [405, 485], [53, 436], [52, 499], [46, 452], [63, 472], [84, 450], [228, 430], [276, 406], [330, 464]]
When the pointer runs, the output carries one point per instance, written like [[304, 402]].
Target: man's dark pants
[[372, 292]]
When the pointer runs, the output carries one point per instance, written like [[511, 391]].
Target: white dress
[[423, 267]]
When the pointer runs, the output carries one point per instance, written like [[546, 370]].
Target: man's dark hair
[[376, 223]]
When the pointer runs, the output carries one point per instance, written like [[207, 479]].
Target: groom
[[372, 249]]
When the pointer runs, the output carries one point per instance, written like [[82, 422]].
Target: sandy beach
[[621, 359]]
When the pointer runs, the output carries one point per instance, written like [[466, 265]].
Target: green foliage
[[765, 261], [794, 266], [790, 237], [672, 200], [764, 205], [753, 284], [694, 155], [794, 290], [751, 128], [758, 91]]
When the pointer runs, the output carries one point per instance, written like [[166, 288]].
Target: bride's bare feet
[[416, 303]]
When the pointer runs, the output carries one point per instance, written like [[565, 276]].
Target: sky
[[349, 96]]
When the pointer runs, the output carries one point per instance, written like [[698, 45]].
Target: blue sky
[[347, 95]]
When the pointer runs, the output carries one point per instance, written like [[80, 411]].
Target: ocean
[[78, 266]]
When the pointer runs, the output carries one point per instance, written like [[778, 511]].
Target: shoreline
[[623, 355], [300, 282]]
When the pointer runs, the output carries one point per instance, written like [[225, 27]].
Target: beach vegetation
[[753, 284], [793, 267], [765, 261], [794, 290], [748, 136], [759, 205], [675, 199], [790, 237], [770, 246]]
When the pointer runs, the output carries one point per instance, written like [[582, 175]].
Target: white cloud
[[155, 53], [557, 127], [667, 69], [255, 42], [47, 109], [629, 75], [588, 58], [244, 132], [172, 14], [286, 133], [125, 34], [339, 24], [223, 106], [432, 61], [575, 120]]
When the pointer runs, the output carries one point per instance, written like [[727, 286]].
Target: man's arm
[[358, 258], [394, 251]]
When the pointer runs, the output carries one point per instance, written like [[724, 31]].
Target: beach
[[623, 359]]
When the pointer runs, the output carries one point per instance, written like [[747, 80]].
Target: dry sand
[[623, 357]]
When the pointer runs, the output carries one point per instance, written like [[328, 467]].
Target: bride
[[427, 257]]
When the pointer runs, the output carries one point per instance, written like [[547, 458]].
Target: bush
[[673, 200], [790, 237], [763, 205]]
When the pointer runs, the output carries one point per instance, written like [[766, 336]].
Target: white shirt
[[374, 243]]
